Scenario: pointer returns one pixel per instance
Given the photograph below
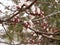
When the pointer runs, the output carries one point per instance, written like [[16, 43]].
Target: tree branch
[[45, 34], [49, 15], [21, 10]]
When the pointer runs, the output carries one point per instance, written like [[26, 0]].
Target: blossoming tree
[[31, 22]]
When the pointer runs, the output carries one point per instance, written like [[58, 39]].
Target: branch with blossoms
[[49, 15], [52, 14], [44, 34], [20, 9]]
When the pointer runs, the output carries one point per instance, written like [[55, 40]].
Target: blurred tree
[[33, 22]]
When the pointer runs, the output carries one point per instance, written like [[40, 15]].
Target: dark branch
[[20, 10]]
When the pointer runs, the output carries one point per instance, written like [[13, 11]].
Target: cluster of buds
[[15, 20], [44, 25], [26, 24], [38, 14]]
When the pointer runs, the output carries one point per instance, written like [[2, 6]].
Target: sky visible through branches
[[3, 5]]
